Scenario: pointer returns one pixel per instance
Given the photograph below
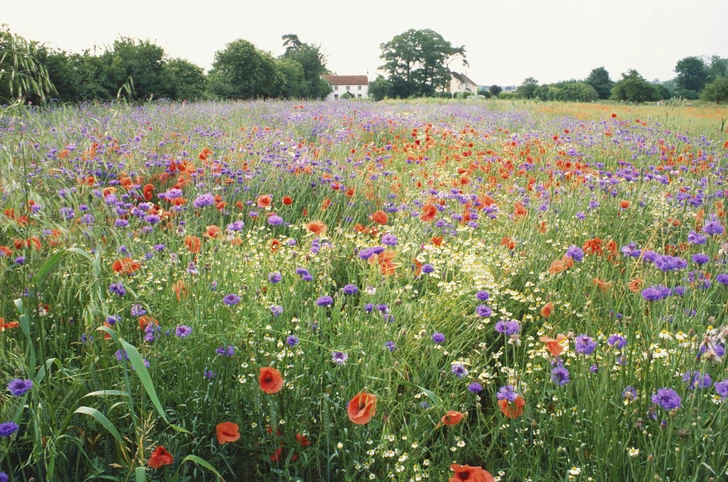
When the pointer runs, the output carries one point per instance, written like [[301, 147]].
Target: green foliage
[[495, 90], [380, 88], [289, 79], [718, 68], [241, 71], [634, 88], [485, 93], [187, 80], [527, 88], [77, 77], [23, 77], [571, 91], [716, 91], [143, 62], [417, 62], [313, 64], [692, 75], [599, 79]]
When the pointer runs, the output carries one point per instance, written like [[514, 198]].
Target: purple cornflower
[[667, 398], [584, 345], [292, 340], [275, 220], [152, 218], [138, 310], [629, 393], [3, 475], [236, 226], [713, 228], [594, 368], [721, 388], [722, 279], [506, 392], [696, 379], [438, 338], [483, 311], [231, 299], [204, 200], [617, 341], [389, 240], [121, 355], [209, 374], [427, 268], [276, 310], [508, 327], [8, 428], [113, 319], [304, 274], [390, 346], [350, 289], [183, 331], [117, 289], [695, 238], [324, 301], [653, 293], [192, 268], [228, 351], [20, 260], [67, 213], [339, 357], [560, 375], [459, 370], [19, 386], [482, 295], [475, 387], [275, 277], [366, 253], [575, 253]]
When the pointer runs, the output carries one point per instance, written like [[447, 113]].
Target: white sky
[[505, 41]]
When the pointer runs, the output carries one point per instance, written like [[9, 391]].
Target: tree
[[241, 71], [140, 60], [380, 88], [417, 62], [527, 88], [290, 79], [495, 90], [716, 91], [23, 76], [188, 81], [634, 88], [77, 77], [313, 62], [599, 79], [718, 68], [692, 75]]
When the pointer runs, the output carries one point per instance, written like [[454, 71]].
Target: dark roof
[[462, 78], [347, 79]]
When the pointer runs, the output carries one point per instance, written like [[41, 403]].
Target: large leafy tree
[[77, 77], [418, 61], [141, 61], [632, 87], [187, 80], [599, 79], [241, 71], [527, 88], [313, 62], [718, 68], [692, 75]]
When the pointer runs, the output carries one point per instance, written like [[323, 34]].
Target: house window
[[359, 96], [348, 87], [336, 87], [360, 87], [336, 96]]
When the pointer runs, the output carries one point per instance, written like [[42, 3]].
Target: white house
[[460, 83], [356, 85]]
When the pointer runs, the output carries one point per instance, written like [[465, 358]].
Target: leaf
[[55, 259], [140, 474], [106, 393], [101, 418], [200, 462]]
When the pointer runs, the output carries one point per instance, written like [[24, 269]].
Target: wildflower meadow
[[350, 291]]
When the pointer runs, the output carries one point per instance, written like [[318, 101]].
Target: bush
[[716, 91]]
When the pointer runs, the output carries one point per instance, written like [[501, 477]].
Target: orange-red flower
[[362, 408], [7, 325], [264, 202], [270, 380], [213, 232], [514, 409], [148, 191], [471, 474], [287, 201], [429, 211], [125, 266], [316, 227], [193, 243], [452, 418], [624, 204], [380, 217], [160, 457], [635, 285], [302, 440], [227, 432], [554, 346], [547, 309], [144, 320], [180, 289]]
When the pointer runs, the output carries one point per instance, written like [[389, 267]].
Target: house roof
[[347, 79], [462, 78]]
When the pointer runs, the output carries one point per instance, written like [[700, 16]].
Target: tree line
[[136, 69]]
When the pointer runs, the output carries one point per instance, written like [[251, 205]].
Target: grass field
[[355, 291]]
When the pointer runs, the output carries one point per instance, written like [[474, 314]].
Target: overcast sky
[[505, 41]]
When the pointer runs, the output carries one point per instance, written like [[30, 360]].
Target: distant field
[[357, 291]]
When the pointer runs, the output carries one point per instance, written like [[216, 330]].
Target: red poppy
[[227, 432], [547, 309], [514, 409], [144, 320], [193, 243], [264, 201], [274, 245], [554, 346], [270, 380], [125, 266], [148, 191], [362, 408], [160, 457], [287, 201], [5, 251], [7, 325], [213, 232], [429, 211], [180, 290], [316, 227], [437, 240], [624, 204], [472, 474], [302, 440], [277, 456], [34, 242], [452, 418], [380, 217]]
